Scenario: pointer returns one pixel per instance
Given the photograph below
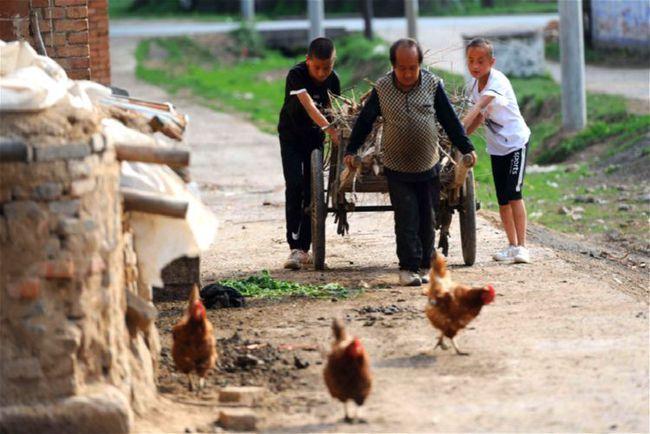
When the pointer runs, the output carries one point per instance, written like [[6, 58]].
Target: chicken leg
[[441, 343], [190, 382], [347, 418], [458, 351]]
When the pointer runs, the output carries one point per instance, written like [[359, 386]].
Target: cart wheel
[[467, 218], [318, 208]]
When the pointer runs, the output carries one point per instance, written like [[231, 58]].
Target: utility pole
[[316, 11], [572, 57], [411, 10], [248, 12], [366, 9]]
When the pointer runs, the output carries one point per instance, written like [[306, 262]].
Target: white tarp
[[158, 239], [31, 82], [118, 133]]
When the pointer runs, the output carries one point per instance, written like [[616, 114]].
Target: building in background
[[621, 24]]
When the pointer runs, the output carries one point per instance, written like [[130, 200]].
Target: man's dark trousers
[[414, 204]]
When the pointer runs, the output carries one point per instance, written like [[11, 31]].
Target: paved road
[[633, 83], [178, 27]]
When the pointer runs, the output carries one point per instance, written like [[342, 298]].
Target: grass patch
[[602, 216], [264, 286], [603, 56], [607, 120], [359, 58], [598, 131], [501, 7], [250, 85]]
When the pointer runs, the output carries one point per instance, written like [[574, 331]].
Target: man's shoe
[[306, 258], [522, 255], [507, 254], [295, 259], [409, 278], [424, 274]]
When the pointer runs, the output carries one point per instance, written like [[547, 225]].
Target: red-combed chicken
[[347, 372], [194, 349], [452, 306]]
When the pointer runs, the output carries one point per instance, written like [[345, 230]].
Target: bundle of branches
[[452, 172], [344, 113]]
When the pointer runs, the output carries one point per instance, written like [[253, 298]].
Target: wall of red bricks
[[100, 61], [75, 33], [14, 19]]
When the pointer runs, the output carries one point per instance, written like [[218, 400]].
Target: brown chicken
[[194, 348], [451, 306], [347, 372]]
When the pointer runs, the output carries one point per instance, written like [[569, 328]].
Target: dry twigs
[[344, 113]]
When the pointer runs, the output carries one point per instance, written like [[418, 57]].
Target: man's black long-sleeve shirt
[[444, 113]]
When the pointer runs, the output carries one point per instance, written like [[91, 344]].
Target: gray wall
[[621, 23]]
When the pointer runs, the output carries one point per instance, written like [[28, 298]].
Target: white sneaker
[[522, 256], [507, 254], [424, 274], [297, 258], [409, 278]]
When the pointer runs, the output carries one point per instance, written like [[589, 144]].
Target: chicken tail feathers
[[338, 330], [438, 265], [194, 296]]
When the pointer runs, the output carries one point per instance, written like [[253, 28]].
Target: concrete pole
[[574, 101], [366, 9], [411, 11], [248, 12], [316, 11]]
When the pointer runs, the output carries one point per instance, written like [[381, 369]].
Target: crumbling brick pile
[[76, 348]]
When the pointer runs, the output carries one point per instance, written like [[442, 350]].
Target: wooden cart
[[330, 195]]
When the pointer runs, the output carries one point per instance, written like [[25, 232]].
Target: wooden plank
[[153, 203], [367, 184], [172, 157]]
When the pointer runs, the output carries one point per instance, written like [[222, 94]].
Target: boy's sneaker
[[409, 278], [507, 254], [522, 256], [424, 274], [297, 258]]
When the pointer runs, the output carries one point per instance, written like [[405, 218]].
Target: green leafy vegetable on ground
[[264, 286]]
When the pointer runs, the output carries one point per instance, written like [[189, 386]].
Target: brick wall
[[65, 27], [79, 345], [100, 68], [14, 19]]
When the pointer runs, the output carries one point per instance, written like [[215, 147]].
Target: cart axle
[[369, 208]]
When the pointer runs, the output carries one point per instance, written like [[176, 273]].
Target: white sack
[[31, 82], [159, 239]]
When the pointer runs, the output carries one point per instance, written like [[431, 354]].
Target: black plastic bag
[[219, 296]]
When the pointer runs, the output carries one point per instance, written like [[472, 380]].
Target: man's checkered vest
[[410, 136]]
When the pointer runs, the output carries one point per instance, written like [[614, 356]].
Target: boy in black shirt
[[302, 129]]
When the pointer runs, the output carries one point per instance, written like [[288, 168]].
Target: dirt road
[[563, 348]]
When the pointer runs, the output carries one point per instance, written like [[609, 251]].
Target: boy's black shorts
[[508, 174]]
